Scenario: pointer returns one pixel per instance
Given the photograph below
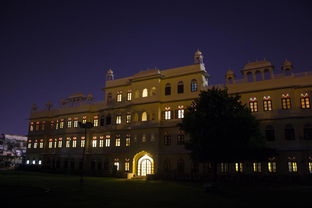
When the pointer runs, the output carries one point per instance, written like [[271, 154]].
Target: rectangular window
[[76, 123], [62, 124], [50, 143], [52, 125], [107, 141], [127, 141], [74, 142], [167, 139], [253, 106], [180, 139], [60, 143], [31, 126], [96, 121], [267, 105], [43, 126], [167, 114], [127, 166], [272, 167], [57, 124], [286, 103], [256, 167], [128, 119], [292, 167], [84, 119], [29, 144], [41, 144], [94, 142], [82, 142], [181, 113], [119, 97], [118, 119], [129, 96], [35, 144], [67, 145], [224, 167], [239, 167], [55, 143], [69, 123], [117, 141], [310, 167], [101, 143], [37, 125], [305, 103]]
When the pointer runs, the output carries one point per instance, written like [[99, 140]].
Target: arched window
[[108, 119], [258, 76], [289, 132], [267, 74], [194, 85], [144, 116], [109, 98], [168, 89], [144, 93], [180, 166], [307, 132], [269, 133], [180, 87]]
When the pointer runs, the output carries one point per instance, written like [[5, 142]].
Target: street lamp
[[85, 126]]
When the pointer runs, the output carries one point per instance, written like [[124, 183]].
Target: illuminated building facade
[[135, 127]]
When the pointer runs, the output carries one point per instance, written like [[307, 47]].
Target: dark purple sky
[[52, 49]]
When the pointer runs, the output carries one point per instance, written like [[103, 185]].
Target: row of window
[[73, 123], [285, 103], [257, 167], [289, 132]]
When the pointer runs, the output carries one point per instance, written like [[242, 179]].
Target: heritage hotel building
[[135, 127]]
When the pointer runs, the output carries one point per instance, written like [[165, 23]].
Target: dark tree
[[222, 129]]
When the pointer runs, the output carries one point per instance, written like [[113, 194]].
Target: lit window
[[168, 89], [101, 144], [35, 144], [305, 101], [116, 164], [181, 113], [55, 143], [129, 96], [69, 123], [144, 116], [117, 141], [39, 162], [82, 142], [286, 103], [239, 167], [84, 119], [167, 114], [119, 96], [94, 142], [74, 141], [34, 162], [256, 167], [167, 139], [292, 167], [96, 121], [31, 126], [128, 118], [224, 167], [50, 143], [310, 167], [272, 167], [253, 105], [67, 145], [118, 119], [180, 87], [193, 85], [57, 124], [127, 140], [29, 144], [76, 123], [62, 124], [27, 162], [127, 166], [267, 104], [41, 143], [60, 143], [144, 92], [107, 141]]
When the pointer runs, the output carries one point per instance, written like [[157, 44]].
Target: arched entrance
[[143, 164]]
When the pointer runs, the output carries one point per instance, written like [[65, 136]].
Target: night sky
[[52, 49]]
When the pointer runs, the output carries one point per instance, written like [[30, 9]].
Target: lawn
[[53, 190]]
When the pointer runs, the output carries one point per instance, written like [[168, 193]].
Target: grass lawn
[[52, 190]]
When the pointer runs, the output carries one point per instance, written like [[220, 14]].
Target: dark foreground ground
[[51, 190]]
